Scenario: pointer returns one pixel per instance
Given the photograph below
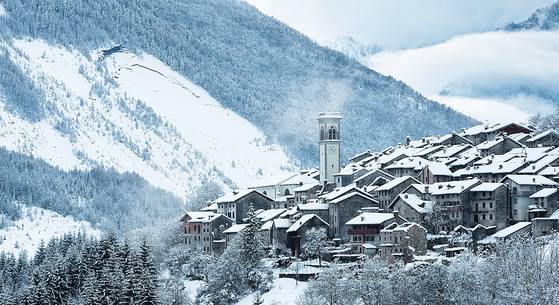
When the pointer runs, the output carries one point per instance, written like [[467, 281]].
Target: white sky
[[396, 23]]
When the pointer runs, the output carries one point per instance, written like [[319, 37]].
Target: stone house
[[365, 229], [237, 204], [371, 177], [522, 187], [306, 192], [490, 205], [547, 198], [402, 241], [410, 166], [498, 146], [313, 207], [296, 232], [435, 172], [388, 192], [411, 207], [546, 138], [451, 203], [279, 228], [343, 208], [204, 231]]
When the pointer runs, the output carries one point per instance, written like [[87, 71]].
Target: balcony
[[362, 231]]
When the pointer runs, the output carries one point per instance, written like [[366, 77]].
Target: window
[[483, 205], [514, 212], [491, 205], [483, 216], [491, 216]]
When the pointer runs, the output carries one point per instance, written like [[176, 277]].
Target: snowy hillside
[[495, 76], [135, 114], [39, 225]]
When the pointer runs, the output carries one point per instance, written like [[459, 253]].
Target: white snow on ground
[[234, 145], [103, 103], [284, 292], [192, 287], [490, 61], [38, 225]]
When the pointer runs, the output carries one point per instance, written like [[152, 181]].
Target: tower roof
[[329, 115]]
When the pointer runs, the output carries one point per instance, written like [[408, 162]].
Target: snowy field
[[38, 225], [283, 292]]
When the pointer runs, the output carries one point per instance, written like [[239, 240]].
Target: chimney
[[534, 179], [500, 166], [408, 140], [395, 213], [362, 217], [406, 195]]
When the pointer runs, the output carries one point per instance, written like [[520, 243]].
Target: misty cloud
[[397, 23]]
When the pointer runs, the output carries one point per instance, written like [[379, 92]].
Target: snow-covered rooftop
[[236, 228], [530, 180], [302, 221], [486, 187], [534, 168], [453, 187], [282, 223], [506, 232], [421, 206], [542, 135], [410, 162], [307, 186], [395, 182], [313, 206], [367, 218], [352, 194], [544, 193], [270, 214], [196, 214]]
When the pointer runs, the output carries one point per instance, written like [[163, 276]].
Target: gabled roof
[[367, 218], [543, 135], [416, 163], [236, 228], [441, 139], [383, 173], [270, 214], [306, 187], [236, 195], [451, 151], [544, 193], [208, 218], [419, 205], [486, 187], [195, 214], [313, 206], [397, 181], [506, 232], [496, 141], [353, 194], [302, 221], [282, 223], [210, 208], [453, 187], [439, 169], [542, 163], [529, 180], [550, 171]]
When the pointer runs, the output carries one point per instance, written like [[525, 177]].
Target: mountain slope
[[120, 111], [544, 19], [266, 72]]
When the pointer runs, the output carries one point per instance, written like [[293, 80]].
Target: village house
[[364, 229], [435, 172], [487, 132], [411, 207], [237, 204], [490, 205], [371, 177], [410, 166], [550, 172], [360, 156], [402, 241], [232, 232], [347, 175], [306, 192], [451, 202], [548, 138], [545, 225], [204, 231], [451, 139], [276, 187], [519, 229], [547, 198], [522, 187], [493, 171], [538, 166], [343, 208], [387, 192], [296, 232], [420, 190], [451, 151], [314, 207], [498, 146]]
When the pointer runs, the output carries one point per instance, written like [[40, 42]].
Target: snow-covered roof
[[236, 195], [196, 214], [273, 180], [299, 180], [477, 129], [282, 223], [403, 227], [519, 136], [493, 168], [429, 150], [500, 126], [534, 168], [352, 194], [531, 154], [543, 134], [270, 214], [307, 186], [450, 151], [530, 180], [421, 206], [267, 226], [508, 231], [486, 187], [313, 206], [550, 171], [395, 182], [422, 188], [544, 193], [367, 218], [439, 169], [411, 162], [236, 228], [453, 187], [211, 207], [290, 212], [302, 221]]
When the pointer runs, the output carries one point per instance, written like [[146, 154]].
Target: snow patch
[[284, 292], [36, 225]]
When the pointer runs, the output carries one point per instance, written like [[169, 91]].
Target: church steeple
[[329, 144]]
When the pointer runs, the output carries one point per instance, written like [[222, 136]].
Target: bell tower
[[329, 144]]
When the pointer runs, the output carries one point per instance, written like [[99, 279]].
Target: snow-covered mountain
[[545, 18], [132, 112]]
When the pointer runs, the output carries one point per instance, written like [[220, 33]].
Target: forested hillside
[[543, 19], [260, 68], [111, 201]]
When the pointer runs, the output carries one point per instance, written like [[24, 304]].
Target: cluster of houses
[[435, 195]]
